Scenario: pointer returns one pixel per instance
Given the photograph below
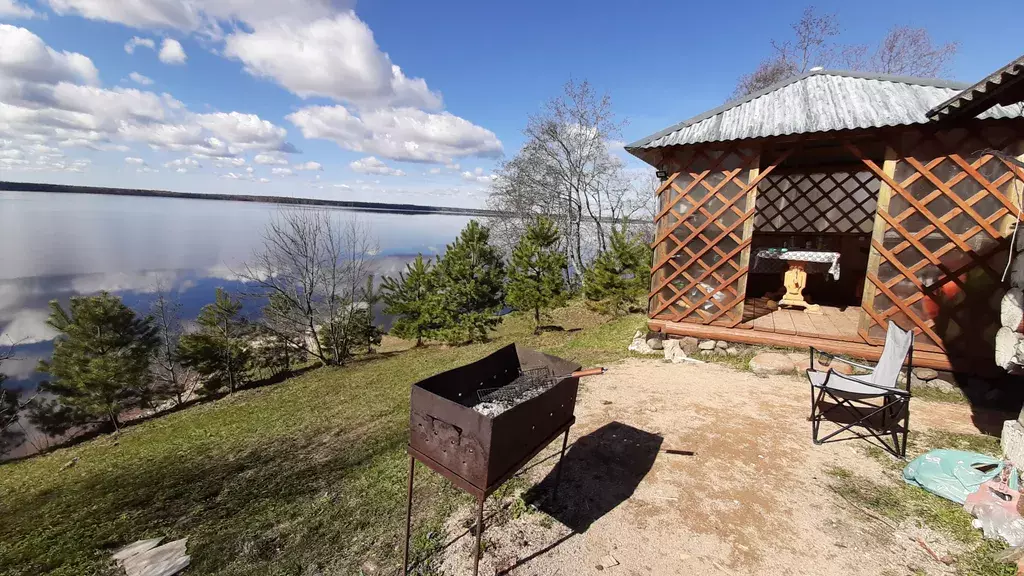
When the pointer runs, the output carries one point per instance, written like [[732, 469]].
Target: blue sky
[[300, 97]]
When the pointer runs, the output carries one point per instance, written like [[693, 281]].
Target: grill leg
[[558, 472], [479, 533], [408, 515]]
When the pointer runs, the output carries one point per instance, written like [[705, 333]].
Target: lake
[[54, 246]]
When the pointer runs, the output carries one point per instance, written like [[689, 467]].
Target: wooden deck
[[830, 322]]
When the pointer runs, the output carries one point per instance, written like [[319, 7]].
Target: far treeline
[[314, 278]]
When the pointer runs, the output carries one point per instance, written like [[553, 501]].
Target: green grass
[[303, 477], [899, 501]]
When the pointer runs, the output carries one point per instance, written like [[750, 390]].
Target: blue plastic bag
[[952, 474]]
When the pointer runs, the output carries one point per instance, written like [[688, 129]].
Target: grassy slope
[[302, 477]]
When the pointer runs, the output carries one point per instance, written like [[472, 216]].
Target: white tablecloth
[[774, 260]]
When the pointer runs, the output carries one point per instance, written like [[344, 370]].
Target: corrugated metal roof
[[818, 101], [984, 92]]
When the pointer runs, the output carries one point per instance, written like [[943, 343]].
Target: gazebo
[[817, 210]]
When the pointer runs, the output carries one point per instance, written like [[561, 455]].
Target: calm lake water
[[54, 246]]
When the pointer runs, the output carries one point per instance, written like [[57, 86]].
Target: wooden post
[[1016, 191], [867, 302], [748, 231]]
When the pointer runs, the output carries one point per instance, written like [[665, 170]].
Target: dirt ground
[[699, 469]]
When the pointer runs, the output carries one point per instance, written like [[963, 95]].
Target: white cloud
[[24, 57], [398, 134], [51, 99], [140, 79], [281, 171], [264, 180], [28, 327], [478, 175], [182, 165], [136, 41], [270, 158], [335, 58], [372, 165], [192, 15], [308, 166], [134, 160], [434, 171], [171, 52], [15, 9], [225, 162]]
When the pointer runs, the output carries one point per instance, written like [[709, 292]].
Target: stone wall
[[1010, 338]]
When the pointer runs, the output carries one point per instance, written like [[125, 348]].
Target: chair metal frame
[[895, 407]]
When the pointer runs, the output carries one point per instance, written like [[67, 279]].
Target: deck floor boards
[[829, 322]]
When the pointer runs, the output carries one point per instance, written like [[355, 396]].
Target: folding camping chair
[[872, 404]]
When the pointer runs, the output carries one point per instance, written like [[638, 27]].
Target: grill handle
[[588, 372]]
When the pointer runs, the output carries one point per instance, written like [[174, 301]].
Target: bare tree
[[310, 269], [170, 377], [11, 407], [565, 170], [905, 51]]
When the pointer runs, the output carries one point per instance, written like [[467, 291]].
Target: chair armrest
[[845, 361], [897, 391]]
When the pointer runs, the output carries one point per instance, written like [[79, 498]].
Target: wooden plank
[[748, 230], [926, 359], [764, 322], [802, 324], [783, 321], [843, 321], [823, 325], [867, 301]]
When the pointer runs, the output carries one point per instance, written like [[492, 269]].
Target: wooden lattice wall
[[826, 201], [704, 225], [939, 244]]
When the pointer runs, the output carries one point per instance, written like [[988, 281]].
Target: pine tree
[[10, 437], [411, 299], [100, 363], [471, 277], [218, 351], [618, 279], [535, 277]]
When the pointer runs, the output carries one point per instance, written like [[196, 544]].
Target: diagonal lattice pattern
[[945, 239], [702, 239], [817, 202]]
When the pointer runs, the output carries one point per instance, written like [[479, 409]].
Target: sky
[[387, 100]]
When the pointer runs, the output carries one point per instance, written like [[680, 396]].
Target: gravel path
[[700, 469]]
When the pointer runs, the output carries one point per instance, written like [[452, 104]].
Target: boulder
[[1017, 271], [1011, 309], [707, 345], [721, 344], [671, 350], [926, 373], [732, 351], [689, 344], [802, 361], [1008, 344], [1012, 441], [767, 363], [655, 343], [936, 383], [639, 345]]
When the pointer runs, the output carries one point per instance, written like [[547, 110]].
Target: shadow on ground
[[600, 471]]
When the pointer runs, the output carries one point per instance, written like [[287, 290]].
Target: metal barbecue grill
[[479, 424]]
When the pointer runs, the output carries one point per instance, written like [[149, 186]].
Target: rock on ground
[[1012, 441], [936, 383], [802, 362], [655, 343], [926, 373], [767, 363], [689, 344], [639, 344], [707, 345]]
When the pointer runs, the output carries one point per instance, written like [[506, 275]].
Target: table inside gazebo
[[796, 264]]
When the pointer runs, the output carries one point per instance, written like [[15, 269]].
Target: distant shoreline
[[345, 204]]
